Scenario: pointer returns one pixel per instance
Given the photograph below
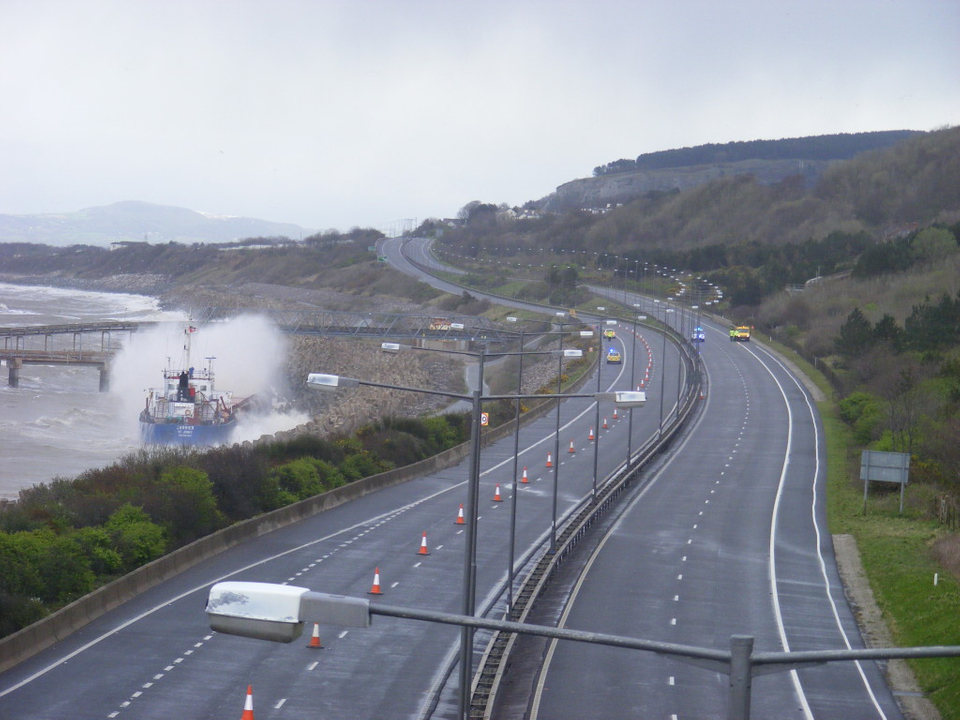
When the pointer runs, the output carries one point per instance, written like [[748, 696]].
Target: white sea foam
[[247, 353]]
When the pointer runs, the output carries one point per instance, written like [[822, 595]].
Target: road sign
[[884, 467], [484, 419]]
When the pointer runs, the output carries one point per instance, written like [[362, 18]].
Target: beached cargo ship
[[188, 409]]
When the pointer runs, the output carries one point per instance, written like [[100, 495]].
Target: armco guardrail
[[496, 656]]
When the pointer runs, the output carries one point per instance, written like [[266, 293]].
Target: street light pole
[[470, 555], [633, 369], [663, 369], [516, 485], [596, 422], [556, 451], [322, 381]]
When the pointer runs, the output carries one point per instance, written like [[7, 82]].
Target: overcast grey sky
[[337, 113]]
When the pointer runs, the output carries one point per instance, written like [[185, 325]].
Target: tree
[[138, 539], [932, 244], [856, 335], [189, 508], [886, 330]]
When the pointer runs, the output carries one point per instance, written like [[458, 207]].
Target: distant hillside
[[138, 221], [767, 161], [842, 146]]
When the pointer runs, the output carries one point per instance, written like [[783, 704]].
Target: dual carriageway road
[[726, 537], [155, 657]]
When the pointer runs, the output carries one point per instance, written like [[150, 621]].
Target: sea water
[[57, 423]]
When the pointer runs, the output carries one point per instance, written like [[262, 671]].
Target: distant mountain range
[[138, 221]]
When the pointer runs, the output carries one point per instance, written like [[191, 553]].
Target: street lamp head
[[269, 611], [629, 398], [572, 353], [586, 333], [390, 347], [322, 381], [259, 610]]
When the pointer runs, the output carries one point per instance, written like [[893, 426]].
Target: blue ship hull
[[183, 434]]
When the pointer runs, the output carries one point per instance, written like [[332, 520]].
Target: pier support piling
[[13, 374]]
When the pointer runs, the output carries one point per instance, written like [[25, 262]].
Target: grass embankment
[[897, 555]]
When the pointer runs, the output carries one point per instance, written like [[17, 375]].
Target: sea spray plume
[[249, 353]]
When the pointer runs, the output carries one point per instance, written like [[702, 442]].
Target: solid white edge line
[[816, 527], [548, 657]]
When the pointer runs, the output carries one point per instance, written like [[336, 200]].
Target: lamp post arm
[[444, 393], [722, 658]]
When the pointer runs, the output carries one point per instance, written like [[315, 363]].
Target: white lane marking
[[816, 526], [313, 665], [417, 564], [279, 704], [369, 523], [397, 583], [343, 634]]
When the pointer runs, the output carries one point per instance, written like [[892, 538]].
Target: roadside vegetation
[[62, 539]]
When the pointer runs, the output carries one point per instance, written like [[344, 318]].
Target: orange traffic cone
[[315, 640], [423, 545], [549, 460], [615, 416], [605, 426], [496, 494], [375, 588], [524, 478], [248, 705], [591, 436], [571, 450], [459, 520]]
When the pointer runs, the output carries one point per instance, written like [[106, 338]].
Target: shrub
[[138, 540], [865, 414]]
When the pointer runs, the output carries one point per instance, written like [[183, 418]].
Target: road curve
[[729, 537], [155, 657]]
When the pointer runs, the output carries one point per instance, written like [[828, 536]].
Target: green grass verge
[[899, 564], [896, 553]]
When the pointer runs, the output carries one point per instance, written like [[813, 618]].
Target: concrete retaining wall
[[58, 625]]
